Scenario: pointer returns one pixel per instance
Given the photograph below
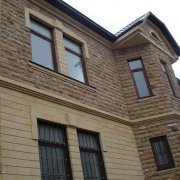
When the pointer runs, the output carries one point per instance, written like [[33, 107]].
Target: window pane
[[141, 84], [54, 162], [41, 29], [91, 166], [135, 64], [162, 153], [41, 51], [73, 46], [91, 157], [74, 67]]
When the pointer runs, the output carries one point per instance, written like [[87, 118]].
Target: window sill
[[165, 171], [176, 98], [147, 98], [61, 76]]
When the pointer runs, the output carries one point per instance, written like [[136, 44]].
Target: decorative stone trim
[[59, 31], [168, 171], [154, 118], [62, 77], [32, 91], [173, 59], [61, 16], [155, 37]]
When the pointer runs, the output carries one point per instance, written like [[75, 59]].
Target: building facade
[[78, 102]]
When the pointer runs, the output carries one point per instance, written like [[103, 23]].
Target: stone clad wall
[[160, 127], [110, 91], [161, 101], [148, 28], [106, 93]]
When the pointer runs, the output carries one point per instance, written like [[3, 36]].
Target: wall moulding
[[32, 91]]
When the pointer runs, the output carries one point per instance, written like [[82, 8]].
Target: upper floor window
[[42, 45], [53, 152], [91, 156], [164, 69], [74, 58], [140, 78], [162, 153]]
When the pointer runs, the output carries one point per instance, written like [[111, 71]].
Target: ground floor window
[[53, 152], [162, 153], [91, 156]]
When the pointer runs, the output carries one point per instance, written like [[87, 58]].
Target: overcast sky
[[113, 15]]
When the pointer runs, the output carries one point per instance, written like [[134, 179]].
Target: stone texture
[[161, 126], [110, 89]]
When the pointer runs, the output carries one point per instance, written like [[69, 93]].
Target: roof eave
[[166, 33], [73, 13]]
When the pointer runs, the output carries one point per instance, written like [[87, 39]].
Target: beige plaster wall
[[19, 146]]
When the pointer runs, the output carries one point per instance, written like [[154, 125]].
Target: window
[[42, 45], [164, 69], [140, 78], [162, 153], [53, 152], [74, 58], [155, 36], [91, 156]]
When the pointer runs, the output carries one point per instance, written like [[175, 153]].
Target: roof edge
[[75, 14], [165, 32]]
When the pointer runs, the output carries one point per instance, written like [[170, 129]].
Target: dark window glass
[[53, 152], [76, 67], [164, 69], [41, 45], [91, 156], [162, 153], [140, 78]]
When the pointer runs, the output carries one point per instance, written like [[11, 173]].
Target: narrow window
[[164, 69], [162, 153], [140, 78], [42, 45], [74, 58], [91, 156], [53, 152]]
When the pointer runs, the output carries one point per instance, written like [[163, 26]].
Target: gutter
[[73, 13]]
